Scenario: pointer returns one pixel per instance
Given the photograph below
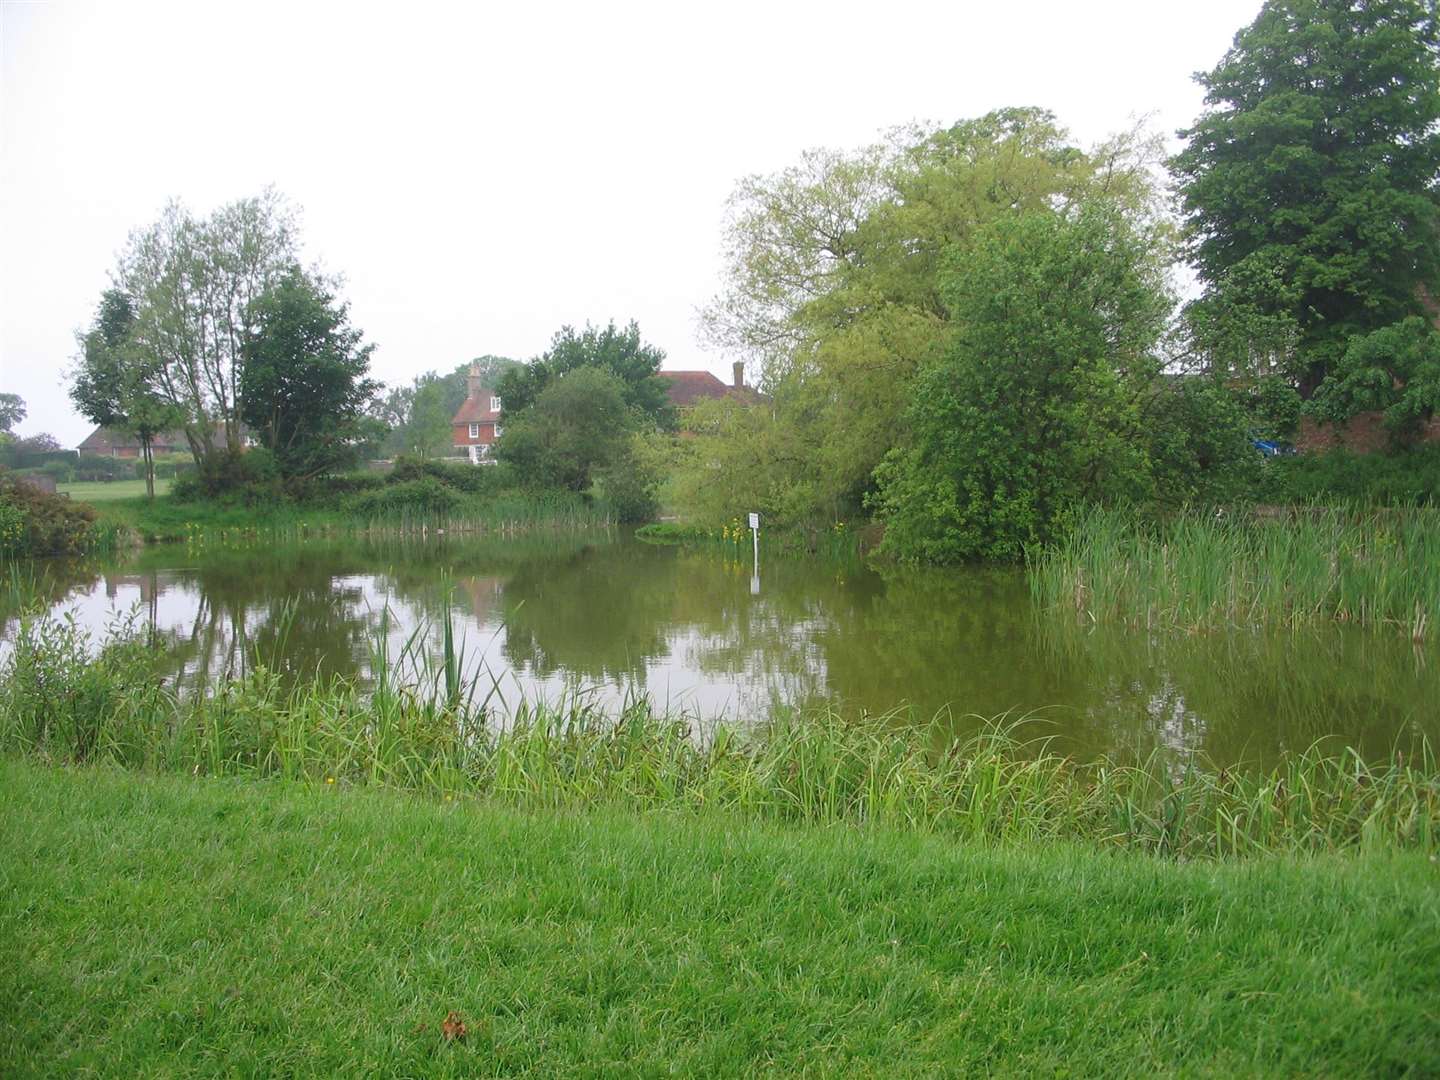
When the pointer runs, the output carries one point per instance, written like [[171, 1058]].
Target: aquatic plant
[[1206, 568]]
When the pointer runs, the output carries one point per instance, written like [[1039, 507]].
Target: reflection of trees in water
[[48, 582], [594, 612], [1254, 693]]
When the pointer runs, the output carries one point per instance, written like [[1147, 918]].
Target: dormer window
[[494, 404], [474, 431]]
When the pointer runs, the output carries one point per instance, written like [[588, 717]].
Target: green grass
[[199, 521], [171, 926], [112, 490], [1203, 569]]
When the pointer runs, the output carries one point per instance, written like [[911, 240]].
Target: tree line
[[972, 331]]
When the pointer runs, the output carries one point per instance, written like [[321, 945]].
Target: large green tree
[[12, 411], [1036, 407], [193, 283], [621, 352], [304, 389], [1309, 187], [578, 425], [834, 291]]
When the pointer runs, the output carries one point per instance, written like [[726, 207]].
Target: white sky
[[484, 173]]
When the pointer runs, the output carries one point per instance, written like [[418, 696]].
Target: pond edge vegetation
[[62, 701]]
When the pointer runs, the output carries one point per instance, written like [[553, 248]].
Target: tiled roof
[[475, 409], [103, 440], [688, 387]]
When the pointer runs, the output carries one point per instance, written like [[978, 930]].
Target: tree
[[622, 353], [579, 424], [1309, 184], [193, 284], [834, 274], [1035, 409], [113, 382], [12, 411], [303, 387]]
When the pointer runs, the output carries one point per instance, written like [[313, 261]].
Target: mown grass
[[61, 700], [172, 926], [1204, 569], [109, 491]]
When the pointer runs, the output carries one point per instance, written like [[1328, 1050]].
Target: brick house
[[686, 388], [476, 425]]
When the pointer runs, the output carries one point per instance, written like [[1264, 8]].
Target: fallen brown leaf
[[453, 1027]]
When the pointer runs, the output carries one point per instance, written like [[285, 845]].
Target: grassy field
[[114, 489], [172, 926]]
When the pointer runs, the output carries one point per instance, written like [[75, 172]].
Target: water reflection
[[620, 618]]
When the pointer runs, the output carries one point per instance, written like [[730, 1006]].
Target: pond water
[[615, 618]]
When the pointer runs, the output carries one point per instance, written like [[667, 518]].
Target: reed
[[64, 699], [1202, 568]]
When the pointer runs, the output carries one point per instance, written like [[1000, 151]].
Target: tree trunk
[[145, 449]]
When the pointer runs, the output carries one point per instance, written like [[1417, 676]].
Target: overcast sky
[[483, 173]]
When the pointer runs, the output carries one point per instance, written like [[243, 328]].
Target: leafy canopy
[[1309, 184], [303, 388]]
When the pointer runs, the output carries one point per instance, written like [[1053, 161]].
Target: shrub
[[35, 522], [1408, 477], [426, 495]]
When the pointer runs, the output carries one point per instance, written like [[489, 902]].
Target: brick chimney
[[739, 375], [472, 381]]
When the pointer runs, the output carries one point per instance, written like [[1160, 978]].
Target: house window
[[495, 406], [474, 431], [498, 429]]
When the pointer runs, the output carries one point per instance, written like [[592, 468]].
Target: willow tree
[[833, 270]]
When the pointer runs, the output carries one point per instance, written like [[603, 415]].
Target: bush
[[35, 522], [62, 472], [1407, 477], [426, 495], [247, 479], [93, 468], [467, 478]]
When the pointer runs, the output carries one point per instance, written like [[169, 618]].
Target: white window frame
[[474, 431], [494, 404], [497, 431]]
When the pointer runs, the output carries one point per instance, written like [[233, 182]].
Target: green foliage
[[1309, 183], [34, 522], [630, 482], [12, 411], [578, 425], [1034, 412], [1199, 443], [1395, 370], [303, 384], [425, 495], [1407, 478], [621, 353], [835, 281]]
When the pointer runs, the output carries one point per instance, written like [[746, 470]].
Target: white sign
[[754, 521]]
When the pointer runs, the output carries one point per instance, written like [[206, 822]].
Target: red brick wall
[[462, 435], [1365, 434]]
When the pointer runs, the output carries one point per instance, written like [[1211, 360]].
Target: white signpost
[[755, 539]]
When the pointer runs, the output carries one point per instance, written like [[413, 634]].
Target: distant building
[[107, 442], [686, 388], [476, 425]]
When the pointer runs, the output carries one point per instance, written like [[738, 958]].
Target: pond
[[612, 618]]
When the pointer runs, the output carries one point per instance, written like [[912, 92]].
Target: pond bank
[[317, 930]]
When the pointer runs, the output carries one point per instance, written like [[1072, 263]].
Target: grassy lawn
[[178, 926], [109, 492]]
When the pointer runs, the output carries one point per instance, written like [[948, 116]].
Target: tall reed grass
[[63, 700], [1204, 568]]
